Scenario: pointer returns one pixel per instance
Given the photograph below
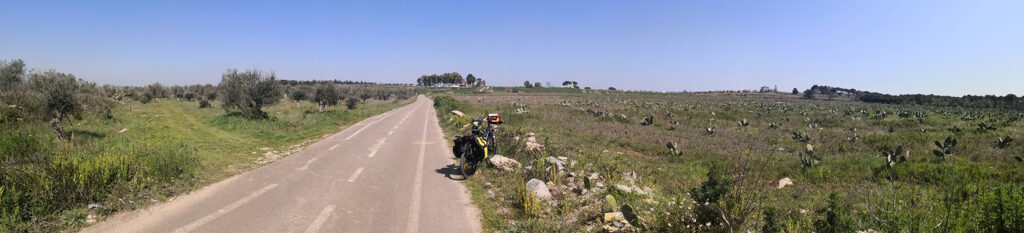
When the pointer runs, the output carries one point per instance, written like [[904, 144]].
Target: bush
[[326, 95], [351, 103], [11, 73], [1003, 209], [59, 91], [837, 216], [248, 92], [204, 104]]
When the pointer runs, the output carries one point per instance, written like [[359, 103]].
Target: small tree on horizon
[[795, 91], [470, 80], [536, 84], [325, 95], [59, 90], [527, 84], [248, 92], [809, 94]]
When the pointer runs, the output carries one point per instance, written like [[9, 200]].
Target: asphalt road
[[387, 173]]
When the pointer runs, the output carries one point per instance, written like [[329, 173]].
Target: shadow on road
[[451, 171]]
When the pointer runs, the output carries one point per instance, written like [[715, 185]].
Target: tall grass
[[167, 147]]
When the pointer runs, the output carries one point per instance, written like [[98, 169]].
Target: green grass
[[167, 147], [925, 192]]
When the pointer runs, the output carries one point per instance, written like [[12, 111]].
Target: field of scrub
[[738, 163]]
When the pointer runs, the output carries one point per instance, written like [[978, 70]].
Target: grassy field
[[723, 174], [146, 153]]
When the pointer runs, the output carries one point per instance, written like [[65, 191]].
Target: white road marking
[[304, 167], [320, 219], [364, 127], [333, 147], [372, 153], [417, 188], [202, 221], [355, 175]]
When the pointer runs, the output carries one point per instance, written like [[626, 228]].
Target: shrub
[[59, 90], [771, 221], [836, 216], [204, 104], [11, 73], [298, 95], [211, 95], [351, 103], [1003, 209], [248, 92], [707, 196], [326, 95]]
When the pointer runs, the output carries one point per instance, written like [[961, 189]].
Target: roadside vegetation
[[744, 162], [72, 152]]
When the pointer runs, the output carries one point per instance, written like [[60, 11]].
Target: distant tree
[[351, 103], [298, 95], [190, 96], [11, 73], [795, 91], [527, 84], [809, 94], [611, 88], [566, 83], [156, 91], [536, 84], [248, 92], [575, 84], [211, 95], [59, 91], [325, 95], [586, 88], [470, 80]]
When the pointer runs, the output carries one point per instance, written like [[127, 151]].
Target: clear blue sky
[[941, 47]]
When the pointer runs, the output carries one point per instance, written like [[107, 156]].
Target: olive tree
[[58, 90], [248, 92], [11, 73], [325, 95]]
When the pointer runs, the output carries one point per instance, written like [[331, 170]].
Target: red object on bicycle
[[494, 118]]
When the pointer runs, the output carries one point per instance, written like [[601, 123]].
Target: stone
[[560, 164], [630, 189], [537, 187], [504, 163], [784, 182], [533, 146], [458, 113]]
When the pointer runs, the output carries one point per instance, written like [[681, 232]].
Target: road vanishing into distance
[[388, 173]]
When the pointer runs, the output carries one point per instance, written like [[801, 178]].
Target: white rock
[[630, 189], [560, 164], [458, 113], [504, 163], [537, 187], [785, 182]]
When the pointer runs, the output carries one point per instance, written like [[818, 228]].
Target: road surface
[[384, 174]]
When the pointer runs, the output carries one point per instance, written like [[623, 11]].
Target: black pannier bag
[[457, 148]]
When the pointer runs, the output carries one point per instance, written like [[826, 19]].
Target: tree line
[[453, 78], [58, 98], [1009, 101]]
